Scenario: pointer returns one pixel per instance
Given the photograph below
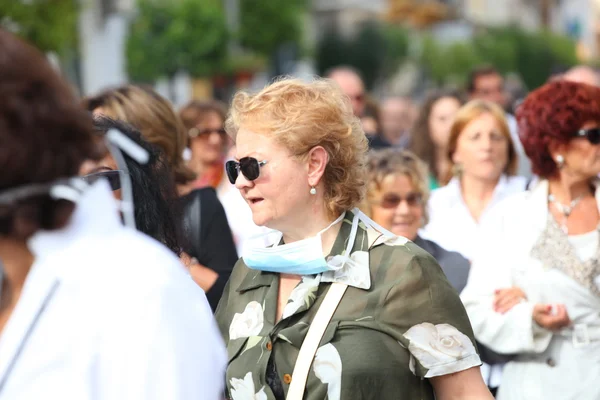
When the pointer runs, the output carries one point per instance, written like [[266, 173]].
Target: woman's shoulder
[[395, 256]]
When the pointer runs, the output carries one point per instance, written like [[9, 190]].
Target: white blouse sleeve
[[167, 348], [512, 332]]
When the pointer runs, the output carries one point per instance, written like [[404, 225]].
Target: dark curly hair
[[552, 113], [44, 132], [154, 193]]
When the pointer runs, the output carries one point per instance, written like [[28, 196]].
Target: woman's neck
[[442, 163], [477, 194], [309, 226], [16, 263], [566, 189]]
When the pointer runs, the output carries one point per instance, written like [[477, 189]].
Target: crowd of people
[[302, 242]]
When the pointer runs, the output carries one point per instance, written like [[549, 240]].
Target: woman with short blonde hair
[[396, 199], [338, 295]]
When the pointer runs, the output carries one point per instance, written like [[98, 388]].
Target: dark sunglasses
[[195, 132], [592, 135], [113, 177], [393, 200], [249, 166]]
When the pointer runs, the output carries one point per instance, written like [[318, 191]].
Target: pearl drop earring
[[313, 191], [560, 161]]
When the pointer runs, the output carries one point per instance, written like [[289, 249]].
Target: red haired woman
[[534, 293]]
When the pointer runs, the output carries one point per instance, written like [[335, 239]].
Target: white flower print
[[353, 271], [249, 323], [300, 294], [243, 389], [442, 348], [328, 368]]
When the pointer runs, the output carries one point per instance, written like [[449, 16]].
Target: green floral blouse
[[399, 323]]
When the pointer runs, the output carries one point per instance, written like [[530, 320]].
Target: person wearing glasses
[[153, 188], [396, 199], [208, 248], [338, 307], [89, 308], [208, 141], [545, 243]]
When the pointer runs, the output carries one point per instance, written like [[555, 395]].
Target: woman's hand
[[203, 276], [505, 299], [552, 319]]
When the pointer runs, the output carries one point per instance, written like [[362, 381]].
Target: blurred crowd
[[500, 191]]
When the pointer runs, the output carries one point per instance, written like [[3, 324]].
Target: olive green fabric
[[399, 323]]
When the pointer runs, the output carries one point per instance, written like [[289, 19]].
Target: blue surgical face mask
[[304, 257]]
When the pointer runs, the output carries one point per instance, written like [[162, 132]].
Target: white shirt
[[524, 166], [451, 224], [112, 315], [551, 365]]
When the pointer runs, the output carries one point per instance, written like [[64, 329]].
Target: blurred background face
[[210, 143], [398, 206], [369, 125], [582, 158], [396, 117], [353, 87], [441, 119], [491, 88], [482, 149]]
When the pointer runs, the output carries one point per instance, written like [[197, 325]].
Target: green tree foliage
[[267, 24], [50, 25], [170, 36], [533, 55]]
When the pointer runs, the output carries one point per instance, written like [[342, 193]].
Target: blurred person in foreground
[[338, 295], [89, 309], [430, 134], [397, 195], [208, 247], [486, 83], [534, 291]]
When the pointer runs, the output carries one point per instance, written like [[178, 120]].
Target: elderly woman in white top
[[545, 243], [484, 162]]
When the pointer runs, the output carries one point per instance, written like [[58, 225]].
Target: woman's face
[[279, 195], [108, 163], [209, 145], [398, 206], [582, 158], [482, 149], [441, 119]]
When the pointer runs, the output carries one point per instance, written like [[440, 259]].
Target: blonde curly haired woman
[[339, 307]]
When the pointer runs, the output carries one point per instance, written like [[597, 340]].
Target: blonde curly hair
[[301, 116]]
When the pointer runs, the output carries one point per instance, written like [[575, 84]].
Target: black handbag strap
[[195, 219]]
